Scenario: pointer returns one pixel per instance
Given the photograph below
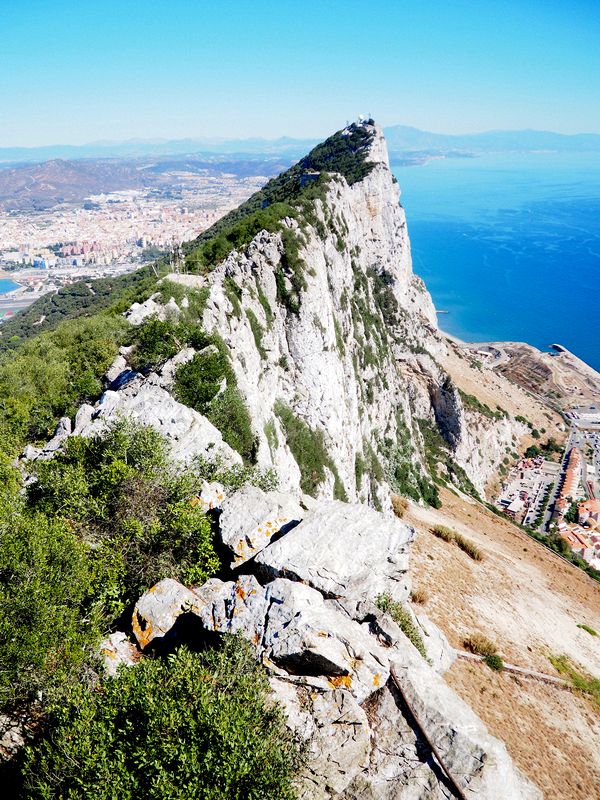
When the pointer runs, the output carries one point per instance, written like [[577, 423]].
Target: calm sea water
[[510, 246], [7, 286]]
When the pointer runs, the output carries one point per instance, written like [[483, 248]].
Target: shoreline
[[560, 350]]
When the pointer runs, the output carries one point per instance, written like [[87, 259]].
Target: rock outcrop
[[353, 687]]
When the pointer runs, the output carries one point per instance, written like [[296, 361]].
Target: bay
[[509, 245]]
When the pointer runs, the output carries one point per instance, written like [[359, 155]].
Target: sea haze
[[509, 245]]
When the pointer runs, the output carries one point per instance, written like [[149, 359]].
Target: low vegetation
[[189, 725], [404, 619], [582, 683], [437, 452], [208, 384], [419, 596], [472, 402], [308, 448], [399, 505], [452, 536], [587, 629], [479, 644]]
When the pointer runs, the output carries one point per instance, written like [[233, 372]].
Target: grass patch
[[403, 618], [582, 683], [399, 505], [451, 536], [479, 644], [587, 629], [419, 596]]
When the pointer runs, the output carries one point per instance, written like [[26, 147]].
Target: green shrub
[[494, 662], [121, 495], [403, 618], [193, 725], [308, 449], [45, 586], [587, 629], [207, 384], [51, 375]]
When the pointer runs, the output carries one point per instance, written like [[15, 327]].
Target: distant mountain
[[133, 148], [403, 139]]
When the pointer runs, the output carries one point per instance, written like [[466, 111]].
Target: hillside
[[203, 474]]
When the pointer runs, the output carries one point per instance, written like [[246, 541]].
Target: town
[[108, 234], [561, 498]]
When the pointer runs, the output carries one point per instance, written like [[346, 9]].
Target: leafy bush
[[494, 662], [403, 618], [45, 584], [193, 725], [120, 494], [208, 384]]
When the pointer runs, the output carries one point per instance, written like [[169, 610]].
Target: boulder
[[157, 611], [211, 496], [189, 433], [140, 312], [116, 650], [118, 366], [439, 651], [250, 518], [336, 731], [307, 635], [478, 761], [343, 550]]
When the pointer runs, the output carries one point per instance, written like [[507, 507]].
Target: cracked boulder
[[250, 519], [343, 550], [336, 731]]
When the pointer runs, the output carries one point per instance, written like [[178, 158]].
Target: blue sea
[[509, 245]]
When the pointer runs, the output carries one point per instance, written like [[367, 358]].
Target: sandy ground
[[495, 390], [529, 603]]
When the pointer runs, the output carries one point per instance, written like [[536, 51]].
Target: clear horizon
[[76, 74]]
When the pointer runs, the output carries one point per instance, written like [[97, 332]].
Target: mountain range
[[401, 139]]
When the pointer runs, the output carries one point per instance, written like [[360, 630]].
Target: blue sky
[[74, 72]]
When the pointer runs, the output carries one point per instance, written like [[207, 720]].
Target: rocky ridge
[[354, 688]]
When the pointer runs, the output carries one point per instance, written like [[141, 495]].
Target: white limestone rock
[[306, 635], [336, 731], [188, 433], [140, 312], [343, 550], [250, 518], [157, 611], [116, 651], [118, 366]]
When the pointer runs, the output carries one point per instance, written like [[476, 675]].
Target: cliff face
[[356, 360]]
